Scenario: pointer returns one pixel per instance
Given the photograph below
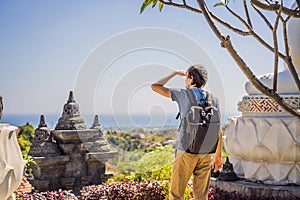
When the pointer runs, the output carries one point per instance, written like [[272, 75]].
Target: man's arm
[[159, 87], [217, 160]]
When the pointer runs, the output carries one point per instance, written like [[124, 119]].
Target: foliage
[[123, 140], [153, 165], [136, 191], [55, 195], [222, 3], [25, 137], [28, 169], [130, 141], [188, 193], [153, 2], [124, 190], [161, 156]]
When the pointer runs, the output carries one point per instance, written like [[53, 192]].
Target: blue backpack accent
[[200, 97]]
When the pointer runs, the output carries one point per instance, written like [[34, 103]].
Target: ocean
[[107, 122]]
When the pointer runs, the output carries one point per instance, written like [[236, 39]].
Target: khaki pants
[[184, 166]]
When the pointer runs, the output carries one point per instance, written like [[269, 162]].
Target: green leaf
[[160, 5], [154, 3], [222, 3], [146, 4], [219, 4]]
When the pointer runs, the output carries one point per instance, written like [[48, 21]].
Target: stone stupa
[[71, 156], [70, 119]]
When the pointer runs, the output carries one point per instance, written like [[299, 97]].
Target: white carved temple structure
[[264, 143]]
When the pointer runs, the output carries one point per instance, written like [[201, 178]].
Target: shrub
[[53, 195], [25, 137], [150, 190], [154, 165]]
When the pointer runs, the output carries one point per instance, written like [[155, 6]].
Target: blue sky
[[45, 46]]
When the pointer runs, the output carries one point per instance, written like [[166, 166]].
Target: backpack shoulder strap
[[191, 96], [192, 99]]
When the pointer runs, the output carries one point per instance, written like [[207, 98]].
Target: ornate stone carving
[[70, 119], [264, 105]]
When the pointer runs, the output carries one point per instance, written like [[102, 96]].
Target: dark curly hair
[[199, 74]]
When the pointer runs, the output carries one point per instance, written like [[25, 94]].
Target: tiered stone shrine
[[71, 156]]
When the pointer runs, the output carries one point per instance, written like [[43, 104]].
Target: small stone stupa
[[70, 119], [227, 173], [71, 156], [42, 142]]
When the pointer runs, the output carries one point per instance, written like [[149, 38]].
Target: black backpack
[[201, 126]]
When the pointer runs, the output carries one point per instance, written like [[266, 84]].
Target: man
[[185, 163]]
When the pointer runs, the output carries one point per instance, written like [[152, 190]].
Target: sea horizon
[[107, 121]]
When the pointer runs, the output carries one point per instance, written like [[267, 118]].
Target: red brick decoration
[[264, 105]]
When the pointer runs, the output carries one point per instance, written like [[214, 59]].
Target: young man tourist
[[187, 164]]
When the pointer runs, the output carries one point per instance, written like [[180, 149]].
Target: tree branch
[[276, 7], [247, 14], [285, 37], [236, 30], [275, 73], [226, 43], [184, 5], [263, 17], [253, 33], [210, 21], [239, 18]]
